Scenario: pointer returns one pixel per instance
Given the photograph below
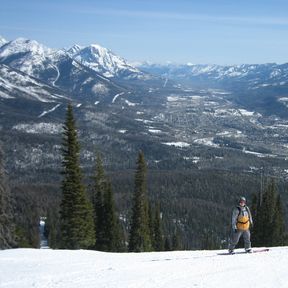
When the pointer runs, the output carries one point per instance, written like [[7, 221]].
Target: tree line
[[87, 218]]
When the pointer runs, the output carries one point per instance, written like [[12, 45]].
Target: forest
[[186, 208]]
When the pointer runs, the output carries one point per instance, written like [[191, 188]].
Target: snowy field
[[45, 268]]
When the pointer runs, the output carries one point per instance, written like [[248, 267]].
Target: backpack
[[243, 222]]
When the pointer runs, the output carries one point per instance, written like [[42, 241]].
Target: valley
[[207, 138]]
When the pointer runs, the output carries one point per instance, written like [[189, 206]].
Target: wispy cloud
[[188, 17]]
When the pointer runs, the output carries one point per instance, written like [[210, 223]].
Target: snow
[[49, 111], [116, 96], [246, 113], [174, 98], [39, 128], [122, 131], [258, 154], [101, 60], [58, 74], [43, 268], [156, 131], [2, 41], [165, 83], [100, 88], [177, 144], [143, 120], [130, 103], [206, 142]]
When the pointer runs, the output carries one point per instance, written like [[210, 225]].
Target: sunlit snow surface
[[45, 268]]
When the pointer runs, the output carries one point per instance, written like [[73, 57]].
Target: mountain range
[[39, 81], [202, 128]]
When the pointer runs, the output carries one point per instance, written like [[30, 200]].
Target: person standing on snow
[[241, 222]]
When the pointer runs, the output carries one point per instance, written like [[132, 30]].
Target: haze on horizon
[[200, 32]]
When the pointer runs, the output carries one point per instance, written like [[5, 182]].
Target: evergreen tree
[[269, 227], [7, 229], [76, 214], [108, 236], [98, 189], [209, 240], [52, 229], [140, 240], [167, 245], [176, 243], [158, 243], [278, 235], [151, 225], [112, 230]]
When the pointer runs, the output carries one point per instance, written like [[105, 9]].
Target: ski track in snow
[[116, 96], [49, 111], [58, 74], [46, 268], [165, 83]]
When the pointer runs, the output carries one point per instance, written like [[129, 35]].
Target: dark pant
[[235, 236]]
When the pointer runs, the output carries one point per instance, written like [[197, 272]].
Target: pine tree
[[176, 242], [140, 240], [112, 230], [52, 228], [269, 226], [108, 236], [151, 225], [158, 243], [7, 228], [167, 245], [76, 213], [98, 190], [278, 235]]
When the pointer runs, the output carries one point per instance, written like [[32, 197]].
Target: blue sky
[[180, 31]]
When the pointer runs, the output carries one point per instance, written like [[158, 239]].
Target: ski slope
[[46, 268]]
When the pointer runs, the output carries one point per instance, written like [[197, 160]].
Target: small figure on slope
[[241, 222]]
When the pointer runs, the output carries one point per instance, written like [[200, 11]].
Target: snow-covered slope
[[57, 69], [45, 268], [35, 59], [26, 55], [16, 84], [2, 41], [103, 61], [92, 73], [249, 75]]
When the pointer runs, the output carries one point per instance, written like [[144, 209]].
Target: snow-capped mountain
[[26, 55], [35, 59], [2, 41], [15, 84], [249, 75], [91, 73], [58, 69], [104, 61]]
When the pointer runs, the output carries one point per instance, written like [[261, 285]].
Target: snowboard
[[244, 252]]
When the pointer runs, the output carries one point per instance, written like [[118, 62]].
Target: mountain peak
[[101, 60], [2, 41], [74, 49], [23, 45]]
